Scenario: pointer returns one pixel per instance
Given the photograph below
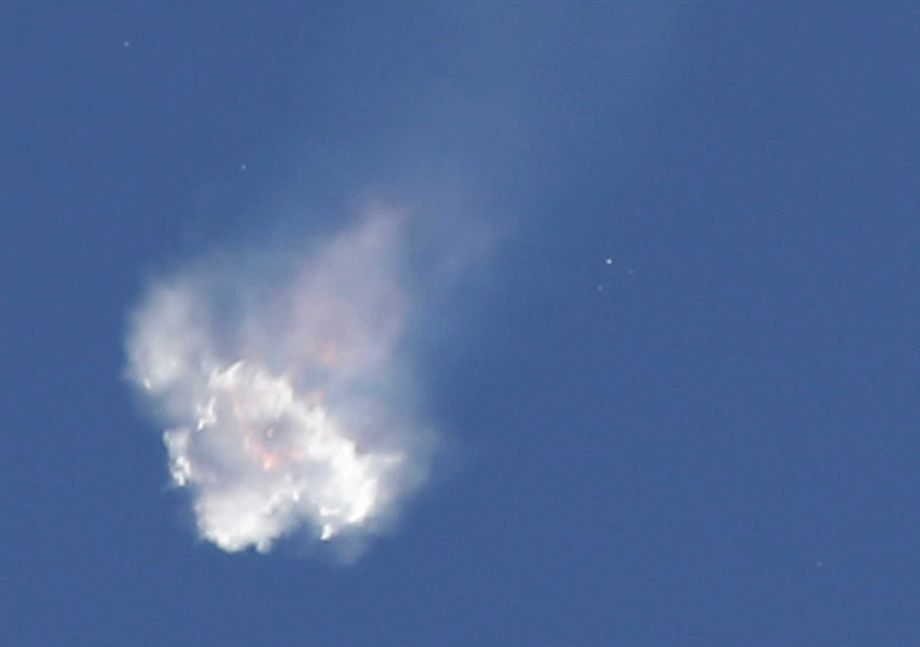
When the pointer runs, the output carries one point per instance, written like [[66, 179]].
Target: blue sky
[[711, 440]]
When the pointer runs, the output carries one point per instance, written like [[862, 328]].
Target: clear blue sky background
[[718, 446]]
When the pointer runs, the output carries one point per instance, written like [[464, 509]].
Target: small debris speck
[[127, 43], [609, 260], [242, 167]]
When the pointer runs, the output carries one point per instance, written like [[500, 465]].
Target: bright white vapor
[[281, 380]]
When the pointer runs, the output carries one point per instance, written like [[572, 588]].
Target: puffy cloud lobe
[[282, 386]]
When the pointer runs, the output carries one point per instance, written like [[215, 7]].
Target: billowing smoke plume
[[282, 384]]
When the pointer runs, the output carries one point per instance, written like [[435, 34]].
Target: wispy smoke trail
[[283, 388]]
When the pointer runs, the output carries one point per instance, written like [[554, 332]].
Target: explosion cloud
[[282, 384]]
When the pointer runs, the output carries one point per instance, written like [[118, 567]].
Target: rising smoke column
[[283, 389]]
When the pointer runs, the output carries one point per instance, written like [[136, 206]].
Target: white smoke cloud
[[282, 384]]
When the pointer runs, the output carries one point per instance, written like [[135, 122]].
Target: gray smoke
[[282, 383]]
